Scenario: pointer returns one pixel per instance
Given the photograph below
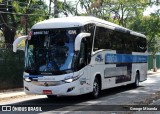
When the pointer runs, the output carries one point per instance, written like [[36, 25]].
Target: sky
[[151, 9]]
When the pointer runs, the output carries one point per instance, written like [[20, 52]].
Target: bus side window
[[102, 39]]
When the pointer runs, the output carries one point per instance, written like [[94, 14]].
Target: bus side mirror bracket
[[17, 41], [79, 39]]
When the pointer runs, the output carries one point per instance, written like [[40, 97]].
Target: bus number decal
[[40, 32]]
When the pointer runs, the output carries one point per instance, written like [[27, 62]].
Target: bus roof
[[68, 22]]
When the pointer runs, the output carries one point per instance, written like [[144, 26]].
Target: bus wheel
[[136, 83], [96, 88]]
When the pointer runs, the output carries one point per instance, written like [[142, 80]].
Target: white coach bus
[[79, 55]]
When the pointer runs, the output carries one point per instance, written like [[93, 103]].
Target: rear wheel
[[136, 83], [96, 88]]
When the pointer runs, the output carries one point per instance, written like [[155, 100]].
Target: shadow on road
[[75, 99], [71, 101]]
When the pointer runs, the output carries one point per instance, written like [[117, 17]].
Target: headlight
[[27, 79], [70, 79]]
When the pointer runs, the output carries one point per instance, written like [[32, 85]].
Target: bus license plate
[[47, 92]]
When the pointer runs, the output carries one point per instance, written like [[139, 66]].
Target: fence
[[150, 61], [11, 67]]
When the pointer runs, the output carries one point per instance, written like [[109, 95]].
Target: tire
[[136, 83], [96, 88]]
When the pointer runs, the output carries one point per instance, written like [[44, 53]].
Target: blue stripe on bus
[[125, 58]]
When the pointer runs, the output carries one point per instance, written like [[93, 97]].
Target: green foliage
[[18, 16], [149, 25], [120, 12], [33, 11], [16, 6]]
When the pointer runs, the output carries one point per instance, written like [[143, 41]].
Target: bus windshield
[[50, 51]]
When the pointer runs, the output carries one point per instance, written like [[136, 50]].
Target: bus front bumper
[[66, 89]]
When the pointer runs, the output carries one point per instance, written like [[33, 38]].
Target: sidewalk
[[150, 72], [4, 94]]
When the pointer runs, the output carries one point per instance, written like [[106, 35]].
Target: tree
[[9, 29], [20, 15], [65, 8], [149, 25], [117, 11], [152, 32]]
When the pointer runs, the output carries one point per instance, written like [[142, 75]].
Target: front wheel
[[96, 88]]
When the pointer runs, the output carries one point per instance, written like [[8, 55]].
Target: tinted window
[[102, 38], [89, 28], [116, 40]]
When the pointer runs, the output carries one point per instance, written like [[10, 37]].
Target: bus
[[78, 55]]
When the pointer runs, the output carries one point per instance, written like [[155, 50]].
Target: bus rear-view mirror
[[17, 41], [79, 39]]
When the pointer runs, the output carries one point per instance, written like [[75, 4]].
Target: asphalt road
[[111, 101]]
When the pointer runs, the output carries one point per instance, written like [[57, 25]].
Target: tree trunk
[[49, 12], [9, 31], [9, 34], [56, 9], [154, 63]]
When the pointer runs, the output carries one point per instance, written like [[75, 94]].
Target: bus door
[[84, 60]]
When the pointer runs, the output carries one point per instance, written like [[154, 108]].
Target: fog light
[[70, 89], [26, 88]]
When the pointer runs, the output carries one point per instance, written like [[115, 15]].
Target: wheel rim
[[96, 88]]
